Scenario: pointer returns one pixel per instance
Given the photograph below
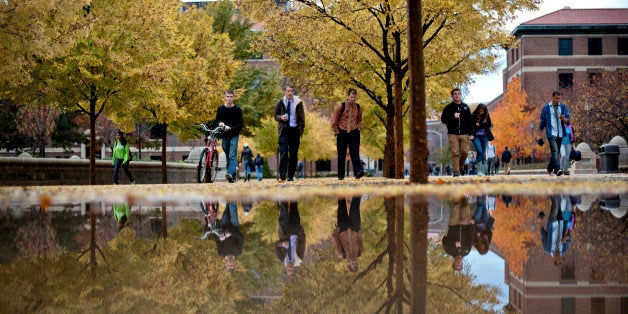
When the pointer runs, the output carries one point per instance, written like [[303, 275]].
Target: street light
[[440, 136], [532, 132]]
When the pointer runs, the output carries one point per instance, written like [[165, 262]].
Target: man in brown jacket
[[347, 123], [347, 237]]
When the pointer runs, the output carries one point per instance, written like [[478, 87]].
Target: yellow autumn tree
[[327, 46]]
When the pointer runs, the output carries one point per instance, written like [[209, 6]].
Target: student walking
[[229, 117], [480, 139], [121, 157], [460, 129], [259, 167], [290, 116], [554, 116], [247, 160], [506, 156], [347, 123]]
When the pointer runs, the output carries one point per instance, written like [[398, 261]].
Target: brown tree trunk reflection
[[418, 253], [400, 284], [164, 221]]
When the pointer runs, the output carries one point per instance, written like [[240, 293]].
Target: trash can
[[609, 158]]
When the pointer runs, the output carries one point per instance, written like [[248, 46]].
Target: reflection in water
[[136, 269], [347, 237], [229, 241], [459, 238], [290, 248], [121, 212]]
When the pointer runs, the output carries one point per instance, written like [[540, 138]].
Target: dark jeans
[[230, 215], [554, 143], [116, 167], [289, 218], [289, 141], [352, 140], [351, 219]]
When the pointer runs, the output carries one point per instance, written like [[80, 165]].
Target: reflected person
[[122, 213], [555, 237], [483, 220], [459, 238], [347, 237], [231, 241], [290, 248]]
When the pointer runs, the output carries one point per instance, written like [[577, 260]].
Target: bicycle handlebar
[[208, 130]]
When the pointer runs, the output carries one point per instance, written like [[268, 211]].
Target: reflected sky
[[523, 252]]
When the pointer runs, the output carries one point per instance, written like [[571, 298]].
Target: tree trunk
[[164, 138], [418, 160], [418, 133], [164, 220], [399, 261], [93, 263], [389, 150], [398, 85], [92, 141]]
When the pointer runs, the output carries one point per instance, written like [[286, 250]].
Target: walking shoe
[[133, 182], [229, 177], [291, 179], [456, 174], [360, 174], [559, 172], [341, 178], [566, 172]]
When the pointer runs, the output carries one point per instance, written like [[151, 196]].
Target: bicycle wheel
[[201, 170], [213, 170]]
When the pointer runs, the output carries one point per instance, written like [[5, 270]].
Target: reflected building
[[592, 277]]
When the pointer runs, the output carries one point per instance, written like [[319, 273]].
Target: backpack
[[259, 161], [575, 155]]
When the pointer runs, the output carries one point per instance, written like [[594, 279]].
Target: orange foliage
[[511, 120], [513, 235]]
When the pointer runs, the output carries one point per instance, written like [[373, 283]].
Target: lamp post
[[532, 132], [440, 137]]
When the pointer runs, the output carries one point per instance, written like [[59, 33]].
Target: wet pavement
[[533, 244]]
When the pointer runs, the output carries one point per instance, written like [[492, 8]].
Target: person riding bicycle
[[229, 117]]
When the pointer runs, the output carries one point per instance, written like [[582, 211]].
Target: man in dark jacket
[[506, 156], [290, 116], [459, 238], [231, 241], [459, 121], [229, 117]]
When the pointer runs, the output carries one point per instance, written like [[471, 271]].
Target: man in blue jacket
[[554, 116]]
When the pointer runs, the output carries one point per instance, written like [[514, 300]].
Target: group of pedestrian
[[464, 127]]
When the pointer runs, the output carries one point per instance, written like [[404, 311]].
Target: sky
[[489, 86]]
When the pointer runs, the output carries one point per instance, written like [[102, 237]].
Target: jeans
[[247, 167], [259, 173], [481, 215], [554, 143], [116, 168], [230, 147], [230, 215], [289, 141], [481, 143], [565, 151], [352, 140]]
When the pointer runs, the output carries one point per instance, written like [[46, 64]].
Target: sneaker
[[456, 174], [133, 182], [291, 179], [360, 174], [229, 177], [559, 172], [566, 172], [341, 178], [246, 213]]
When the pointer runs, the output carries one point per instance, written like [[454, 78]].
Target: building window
[[595, 46], [565, 46], [594, 78], [622, 46], [568, 305], [565, 80], [598, 305]]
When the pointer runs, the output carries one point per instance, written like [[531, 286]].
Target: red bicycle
[[208, 164], [210, 211]]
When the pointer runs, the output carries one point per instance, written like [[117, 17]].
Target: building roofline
[[563, 29]]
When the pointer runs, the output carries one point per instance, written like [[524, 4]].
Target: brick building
[[566, 46]]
